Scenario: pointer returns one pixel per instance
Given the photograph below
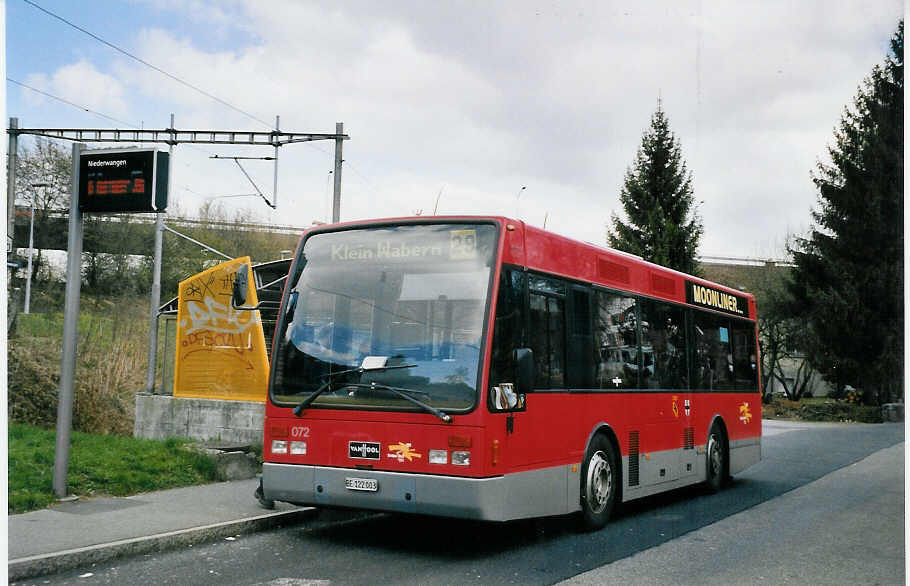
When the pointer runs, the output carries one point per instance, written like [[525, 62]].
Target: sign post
[[104, 181], [70, 334], [155, 295]]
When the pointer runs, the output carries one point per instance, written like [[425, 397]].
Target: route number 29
[[463, 244]]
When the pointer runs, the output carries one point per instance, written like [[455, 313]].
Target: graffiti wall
[[220, 350]]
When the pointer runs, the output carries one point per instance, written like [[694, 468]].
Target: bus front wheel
[[599, 483]]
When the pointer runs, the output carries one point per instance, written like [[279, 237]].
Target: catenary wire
[[158, 69], [75, 105], [111, 118], [59, 99], [163, 72], [147, 64]]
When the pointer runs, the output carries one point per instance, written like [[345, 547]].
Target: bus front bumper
[[544, 492]]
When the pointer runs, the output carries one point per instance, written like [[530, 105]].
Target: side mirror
[[511, 396], [241, 283], [524, 369]]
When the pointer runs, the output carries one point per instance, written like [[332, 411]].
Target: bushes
[[34, 375], [822, 410], [110, 367], [840, 411], [111, 370]]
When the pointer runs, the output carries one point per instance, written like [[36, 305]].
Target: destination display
[[703, 296], [407, 244], [123, 180]]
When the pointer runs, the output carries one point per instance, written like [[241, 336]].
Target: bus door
[[531, 313], [536, 435]]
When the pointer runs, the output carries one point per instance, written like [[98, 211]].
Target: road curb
[[69, 559]]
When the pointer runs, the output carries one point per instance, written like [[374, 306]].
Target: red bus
[[481, 368]]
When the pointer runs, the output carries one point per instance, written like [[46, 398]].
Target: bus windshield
[[408, 294]]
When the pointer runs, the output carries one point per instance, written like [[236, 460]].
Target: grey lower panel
[[536, 493], [744, 453], [681, 468], [691, 467]]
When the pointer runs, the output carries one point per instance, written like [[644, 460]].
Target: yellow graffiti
[[744, 414], [675, 406], [220, 350], [402, 451]]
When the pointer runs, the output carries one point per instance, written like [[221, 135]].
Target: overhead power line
[[89, 110], [163, 72], [73, 104], [159, 70], [147, 64]]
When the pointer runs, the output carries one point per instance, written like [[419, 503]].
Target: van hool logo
[[364, 450]]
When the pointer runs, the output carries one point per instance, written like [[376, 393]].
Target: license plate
[[367, 484]]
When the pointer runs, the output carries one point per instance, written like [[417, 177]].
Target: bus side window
[[745, 367], [713, 355], [616, 348], [509, 325], [663, 346], [580, 352], [547, 329], [556, 331], [538, 339]]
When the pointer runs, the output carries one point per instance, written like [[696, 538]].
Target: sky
[[526, 109]]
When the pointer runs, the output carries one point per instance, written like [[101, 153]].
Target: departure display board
[[123, 180]]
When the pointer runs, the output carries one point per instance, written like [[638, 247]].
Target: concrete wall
[[818, 386], [163, 416]]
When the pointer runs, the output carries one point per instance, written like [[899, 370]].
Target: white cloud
[[82, 84]]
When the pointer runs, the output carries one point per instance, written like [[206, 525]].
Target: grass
[[99, 465], [50, 325]]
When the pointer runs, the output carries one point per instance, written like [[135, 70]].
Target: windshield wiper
[[404, 394], [331, 377]]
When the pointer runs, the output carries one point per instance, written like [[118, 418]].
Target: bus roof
[[539, 249]]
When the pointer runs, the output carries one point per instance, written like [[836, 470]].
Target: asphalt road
[[673, 538], [844, 528]]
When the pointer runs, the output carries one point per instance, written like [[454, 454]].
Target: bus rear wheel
[[716, 450], [599, 483]]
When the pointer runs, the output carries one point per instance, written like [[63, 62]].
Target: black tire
[[599, 483], [265, 503], [716, 452]]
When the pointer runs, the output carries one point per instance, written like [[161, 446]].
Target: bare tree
[[48, 164], [801, 381]]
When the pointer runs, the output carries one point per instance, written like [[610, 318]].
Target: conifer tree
[[848, 279], [657, 198]]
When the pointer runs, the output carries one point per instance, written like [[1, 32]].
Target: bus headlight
[[439, 457], [279, 446], [461, 458], [298, 448]]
